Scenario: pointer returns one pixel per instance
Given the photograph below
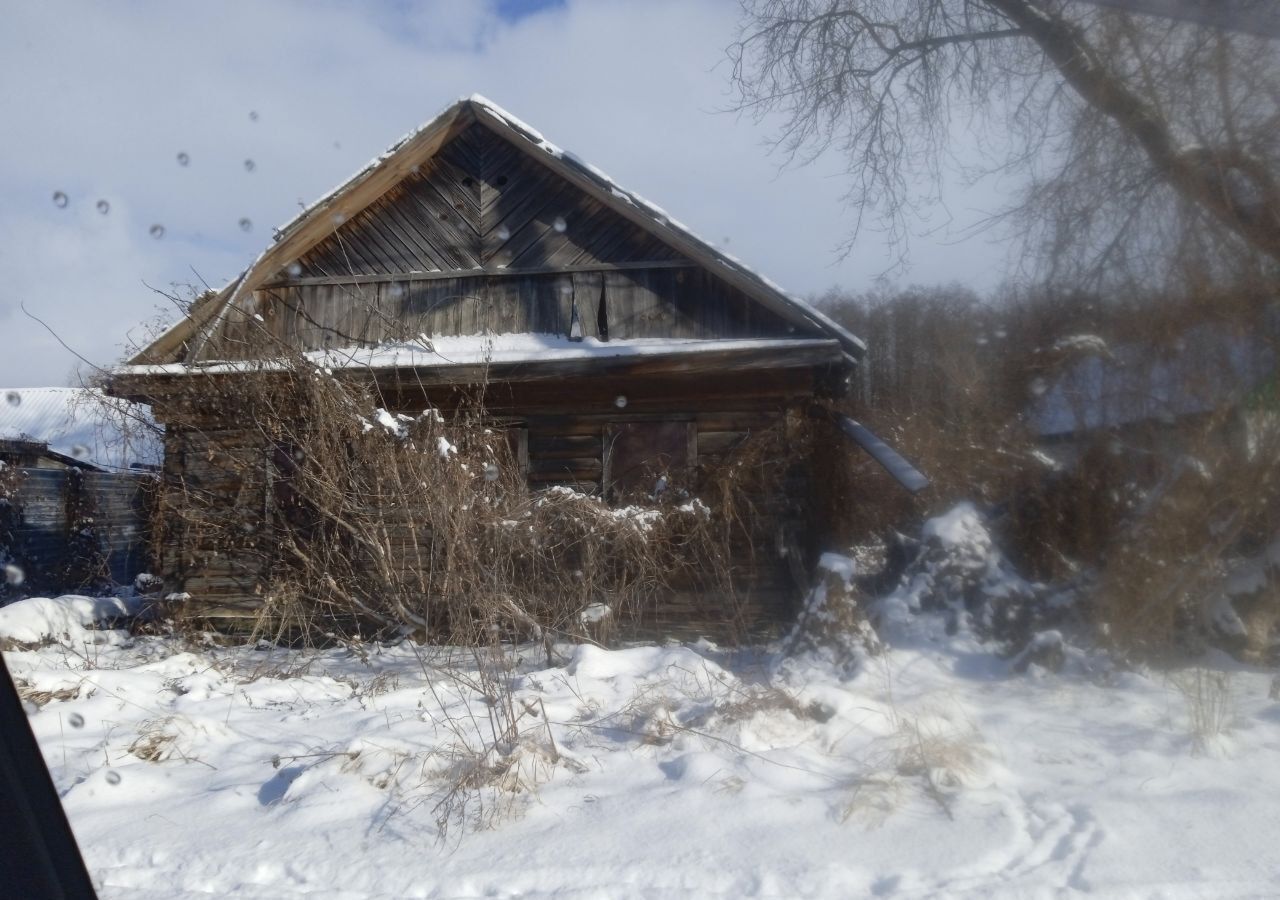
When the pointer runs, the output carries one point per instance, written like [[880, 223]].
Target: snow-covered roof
[[499, 349], [1119, 385], [80, 423], [204, 318]]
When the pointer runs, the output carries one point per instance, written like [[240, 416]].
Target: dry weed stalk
[[937, 759], [10, 518], [1211, 708], [360, 522], [360, 515], [1213, 509]]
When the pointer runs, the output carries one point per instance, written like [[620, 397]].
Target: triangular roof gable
[[481, 203], [317, 223]]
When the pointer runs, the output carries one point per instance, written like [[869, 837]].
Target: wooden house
[[75, 489], [612, 340], [61, 427], [1153, 403]]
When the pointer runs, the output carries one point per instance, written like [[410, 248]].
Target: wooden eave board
[[708, 361]]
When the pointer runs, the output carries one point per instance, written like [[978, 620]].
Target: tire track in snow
[[1053, 847]]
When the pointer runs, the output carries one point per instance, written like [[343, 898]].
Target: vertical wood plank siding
[[645, 303], [484, 210], [110, 541]]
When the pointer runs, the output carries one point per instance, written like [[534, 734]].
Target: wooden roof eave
[[705, 362], [168, 346], [146, 386]]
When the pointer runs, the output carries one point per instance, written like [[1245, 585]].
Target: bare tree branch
[[1143, 147]]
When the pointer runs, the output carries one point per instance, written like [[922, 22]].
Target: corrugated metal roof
[[82, 423]]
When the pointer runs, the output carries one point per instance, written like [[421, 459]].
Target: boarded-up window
[[566, 454], [639, 453], [518, 444]]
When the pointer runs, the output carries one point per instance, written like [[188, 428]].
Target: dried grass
[[1210, 703], [40, 698], [367, 524], [921, 756]]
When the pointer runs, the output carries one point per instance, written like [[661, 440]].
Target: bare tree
[[1139, 141]]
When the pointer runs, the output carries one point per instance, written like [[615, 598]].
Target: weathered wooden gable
[[485, 237], [481, 202]]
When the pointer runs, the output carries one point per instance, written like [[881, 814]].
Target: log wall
[[206, 456]]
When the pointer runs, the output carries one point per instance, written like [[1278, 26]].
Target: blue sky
[[99, 100], [514, 10]]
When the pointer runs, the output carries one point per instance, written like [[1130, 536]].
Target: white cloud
[[100, 99]]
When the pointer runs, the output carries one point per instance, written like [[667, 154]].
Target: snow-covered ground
[[190, 770]]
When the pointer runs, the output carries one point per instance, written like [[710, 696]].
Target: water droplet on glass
[[295, 269], [157, 231], [60, 200], [395, 291], [1038, 386], [104, 207], [298, 454], [13, 575], [79, 451], [113, 777], [338, 218], [503, 232], [75, 720], [559, 224], [183, 159], [490, 472], [620, 401], [249, 165], [246, 225], [13, 398], [253, 115]]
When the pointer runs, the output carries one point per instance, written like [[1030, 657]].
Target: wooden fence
[[69, 530]]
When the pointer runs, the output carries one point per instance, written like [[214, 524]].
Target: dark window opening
[[640, 455], [602, 313], [518, 445]]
